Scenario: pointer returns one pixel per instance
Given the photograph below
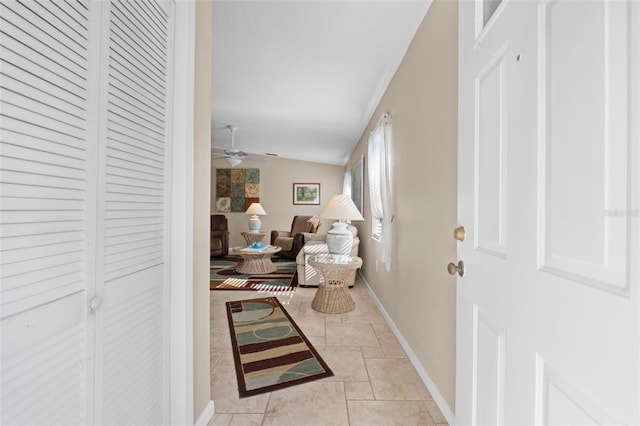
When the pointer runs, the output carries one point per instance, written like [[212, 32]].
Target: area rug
[[223, 276], [269, 350]]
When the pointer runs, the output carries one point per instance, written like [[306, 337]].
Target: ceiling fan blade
[[255, 159]]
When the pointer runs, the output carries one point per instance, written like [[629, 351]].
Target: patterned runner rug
[[269, 350], [223, 276]]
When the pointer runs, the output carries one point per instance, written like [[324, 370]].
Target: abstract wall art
[[236, 189]]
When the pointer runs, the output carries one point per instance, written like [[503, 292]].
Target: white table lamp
[[340, 207], [255, 209]]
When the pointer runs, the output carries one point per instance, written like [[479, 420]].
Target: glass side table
[[333, 295]]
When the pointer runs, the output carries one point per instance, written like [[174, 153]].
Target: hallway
[[374, 382]]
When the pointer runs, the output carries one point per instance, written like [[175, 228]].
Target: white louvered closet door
[[134, 207], [83, 179]]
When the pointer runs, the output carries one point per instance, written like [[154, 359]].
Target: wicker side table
[[256, 261], [333, 295], [253, 237]]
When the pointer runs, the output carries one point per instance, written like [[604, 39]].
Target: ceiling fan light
[[233, 161]]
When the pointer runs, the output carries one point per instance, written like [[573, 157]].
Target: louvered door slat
[[77, 10], [146, 62], [133, 104], [10, 83], [24, 47], [124, 164], [66, 18], [58, 121], [43, 105], [15, 77], [132, 15], [132, 85], [124, 138]]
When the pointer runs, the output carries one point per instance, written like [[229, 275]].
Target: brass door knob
[[458, 233], [452, 268]]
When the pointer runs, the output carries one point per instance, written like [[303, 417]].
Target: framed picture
[[306, 193], [357, 188]]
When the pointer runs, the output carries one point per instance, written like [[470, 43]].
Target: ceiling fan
[[233, 155]]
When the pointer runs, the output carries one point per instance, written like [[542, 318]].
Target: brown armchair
[[219, 245], [292, 241]]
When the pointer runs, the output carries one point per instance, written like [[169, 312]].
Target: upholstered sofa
[[316, 244]]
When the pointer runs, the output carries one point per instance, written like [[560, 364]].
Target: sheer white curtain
[[346, 183], [378, 165]]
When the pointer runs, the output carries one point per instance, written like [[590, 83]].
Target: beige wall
[[201, 188], [277, 176], [418, 293]]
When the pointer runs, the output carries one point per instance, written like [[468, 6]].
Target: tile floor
[[374, 381]]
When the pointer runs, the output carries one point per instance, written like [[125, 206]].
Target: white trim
[[433, 389], [180, 233], [206, 415]]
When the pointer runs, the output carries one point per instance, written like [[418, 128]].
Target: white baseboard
[[433, 389], [206, 415]]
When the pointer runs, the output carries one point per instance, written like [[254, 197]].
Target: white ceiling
[[301, 78]]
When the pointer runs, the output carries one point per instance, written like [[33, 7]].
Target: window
[[378, 165]]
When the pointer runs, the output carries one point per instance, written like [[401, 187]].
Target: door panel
[[589, 131], [44, 154], [134, 220], [489, 367], [549, 157], [491, 161]]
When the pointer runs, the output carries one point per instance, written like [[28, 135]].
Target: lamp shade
[[339, 238], [255, 223], [341, 207], [256, 208]]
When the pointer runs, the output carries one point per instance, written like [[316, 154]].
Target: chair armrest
[[298, 242], [276, 234]]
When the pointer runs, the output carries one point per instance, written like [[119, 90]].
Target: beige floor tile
[[390, 345], [311, 326], [351, 335], [365, 315], [220, 342], [317, 341], [246, 420], [318, 403], [372, 352], [435, 412], [388, 413], [395, 379], [218, 316], [220, 419], [224, 392], [347, 364], [358, 390]]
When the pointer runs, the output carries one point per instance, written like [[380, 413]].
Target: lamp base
[[254, 224], [339, 239]]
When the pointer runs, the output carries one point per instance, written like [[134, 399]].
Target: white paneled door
[[85, 106], [549, 189]]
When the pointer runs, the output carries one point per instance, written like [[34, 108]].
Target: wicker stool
[[333, 295]]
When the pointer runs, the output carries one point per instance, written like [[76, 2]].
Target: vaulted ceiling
[[300, 79]]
